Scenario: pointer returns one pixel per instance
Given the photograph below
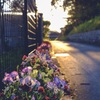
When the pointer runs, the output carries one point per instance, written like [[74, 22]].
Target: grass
[[93, 24]]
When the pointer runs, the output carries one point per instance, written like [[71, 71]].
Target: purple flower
[[51, 85], [33, 98], [28, 81], [14, 75], [37, 83], [60, 83], [47, 57], [6, 74], [39, 76], [7, 79], [54, 66], [13, 96], [56, 81], [26, 70]]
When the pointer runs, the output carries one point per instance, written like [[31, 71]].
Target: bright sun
[[55, 16]]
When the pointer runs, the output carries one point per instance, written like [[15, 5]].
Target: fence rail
[[19, 32]]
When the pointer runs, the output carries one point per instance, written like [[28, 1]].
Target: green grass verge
[[93, 24]]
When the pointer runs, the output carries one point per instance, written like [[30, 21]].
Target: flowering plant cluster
[[36, 78]]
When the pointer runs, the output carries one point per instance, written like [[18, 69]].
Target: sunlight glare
[[61, 54], [55, 16]]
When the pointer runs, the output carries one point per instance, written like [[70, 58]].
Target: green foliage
[[45, 31], [53, 2], [62, 38], [80, 10], [46, 25], [67, 29], [93, 24], [17, 5]]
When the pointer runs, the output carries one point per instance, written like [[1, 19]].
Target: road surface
[[81, 65]]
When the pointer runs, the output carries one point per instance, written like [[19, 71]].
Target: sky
[[55, 16]]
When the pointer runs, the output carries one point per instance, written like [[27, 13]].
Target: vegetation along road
[[81, 65]]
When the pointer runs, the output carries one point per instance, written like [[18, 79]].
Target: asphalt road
[[81, 65]]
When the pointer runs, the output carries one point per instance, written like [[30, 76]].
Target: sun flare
[[54, 15]]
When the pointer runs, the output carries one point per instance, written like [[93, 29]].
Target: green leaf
[[43, 74], [46, 80], [17, 67], [34, 73], [37, 60], [50, 72]]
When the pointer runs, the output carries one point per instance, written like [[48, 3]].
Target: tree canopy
[[79, 11], [17, 5], [46, 25]]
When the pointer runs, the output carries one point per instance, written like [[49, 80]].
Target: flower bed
[[36, 78]]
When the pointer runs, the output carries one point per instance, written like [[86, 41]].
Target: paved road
[[81, 65]]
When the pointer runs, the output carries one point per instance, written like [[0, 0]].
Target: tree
[[79, 11], [46, 25], [17, 5]]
